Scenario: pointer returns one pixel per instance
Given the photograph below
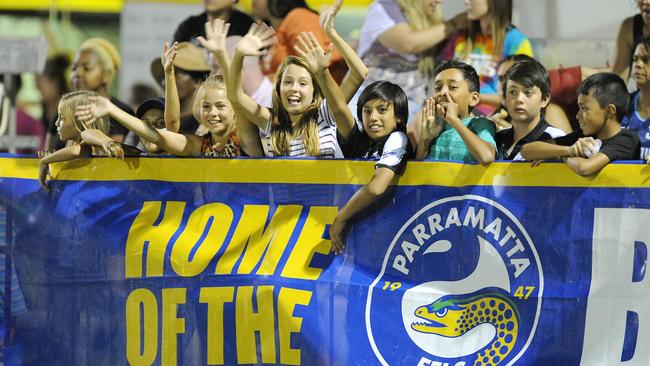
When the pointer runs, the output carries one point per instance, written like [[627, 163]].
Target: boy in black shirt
[[602, 103], [526, 90], [383, 110]]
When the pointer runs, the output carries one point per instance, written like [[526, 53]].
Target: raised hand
[[216, 33], [259, 38], [327, 16], [113, 149], [88, 113], [168, 56], [449, 111], [431, 127], [309, 49]]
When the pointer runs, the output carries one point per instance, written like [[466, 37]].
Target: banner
[[222, 262]]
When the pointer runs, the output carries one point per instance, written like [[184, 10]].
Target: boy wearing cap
[[152, 112]]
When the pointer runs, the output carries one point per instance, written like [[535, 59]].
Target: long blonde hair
[[281, 129], [501, 14], [419, 15], [69, 103]]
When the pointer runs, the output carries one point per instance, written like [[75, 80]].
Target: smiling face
[[87, 72], [524, 103], [476, 9], [451, 81], [378, 117], [216, 112], [591, 115], [296, 89], [65, 126], [641, 66]]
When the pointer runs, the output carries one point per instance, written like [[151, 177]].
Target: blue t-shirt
[[633, 121]]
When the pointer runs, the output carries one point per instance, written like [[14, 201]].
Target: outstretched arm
[[172, 142], [363, 198], [309, 49], [258, 38], [358, 70], [172, 104], [403, 39], [95, 137]]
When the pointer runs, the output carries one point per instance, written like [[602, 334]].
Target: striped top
[[329, 145]]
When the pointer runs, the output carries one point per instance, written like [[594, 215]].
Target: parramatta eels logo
[[461, 284]]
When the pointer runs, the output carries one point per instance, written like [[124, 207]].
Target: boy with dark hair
[[602, 103], [526, 89], [448, 131], [383, 111]]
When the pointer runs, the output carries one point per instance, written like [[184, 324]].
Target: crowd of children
[[309, 115]]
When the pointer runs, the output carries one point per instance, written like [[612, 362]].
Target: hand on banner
[[336, 235], [309, 49], [44, 175], [113, 149]]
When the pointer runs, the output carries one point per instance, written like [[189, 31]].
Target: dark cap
[[157, 103]]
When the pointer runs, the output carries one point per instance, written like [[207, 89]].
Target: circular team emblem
[[461, 284]]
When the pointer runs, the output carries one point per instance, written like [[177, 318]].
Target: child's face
[[591, 115], [476, 9], [378, 117], [641, 66], [156, 118], [296, 89], [87, 72], [451, 81], [644, 7], [65, 127], [524, 104], [217, 114]]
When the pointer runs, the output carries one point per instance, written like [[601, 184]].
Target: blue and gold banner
[[223, 262]]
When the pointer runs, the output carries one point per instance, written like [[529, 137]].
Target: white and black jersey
[[390, 152], [329, 145], [505, 138]]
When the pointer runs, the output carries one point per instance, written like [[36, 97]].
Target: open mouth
[[426, 326], [375, 127], [293, 100]]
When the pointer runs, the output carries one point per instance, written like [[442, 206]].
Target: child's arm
[[363, 198], [358, 70], [65, 154], [318, 61], [172, 142], [585, 167], [544, 150], [430, 129], [481, 150], [95, 137], [259, 37], [172, 104], [247, 132]]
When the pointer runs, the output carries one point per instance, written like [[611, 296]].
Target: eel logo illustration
[[464, 278]]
